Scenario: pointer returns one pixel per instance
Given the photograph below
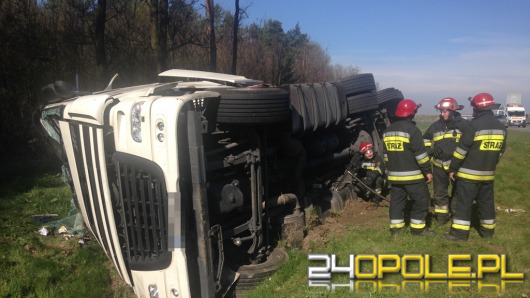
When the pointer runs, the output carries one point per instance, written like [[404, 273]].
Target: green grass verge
[[38, 266], [511, 238], [46, 266]]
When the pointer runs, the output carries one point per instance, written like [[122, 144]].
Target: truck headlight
[[136, 121]]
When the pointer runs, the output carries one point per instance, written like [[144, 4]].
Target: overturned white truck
[[189, 184]]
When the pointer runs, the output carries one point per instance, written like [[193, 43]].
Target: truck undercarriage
[[188, 186]]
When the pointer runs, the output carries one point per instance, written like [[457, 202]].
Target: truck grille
[[133, 232], [143, 209]]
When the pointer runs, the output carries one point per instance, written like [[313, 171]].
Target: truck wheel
[[251, 276], [315, 106], [388, 94], [388, 100], [362, 102], [253, 106], [357, 84]]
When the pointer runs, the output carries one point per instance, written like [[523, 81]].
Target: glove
[[368, 181], [437, 152], [373, 175]]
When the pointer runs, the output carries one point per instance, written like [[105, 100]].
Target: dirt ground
[[357, 212]]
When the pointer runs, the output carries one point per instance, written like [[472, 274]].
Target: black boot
[[421, 232], [442, 218], [395, 232], [486, 233], [454, 235]]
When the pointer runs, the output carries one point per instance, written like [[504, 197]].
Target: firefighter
[[371, 173], [409, 169], [441, 138], [473, 164]]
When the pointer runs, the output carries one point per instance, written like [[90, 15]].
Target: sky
[[428, 49]]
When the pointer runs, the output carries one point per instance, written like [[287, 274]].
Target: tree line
[[86, 42]]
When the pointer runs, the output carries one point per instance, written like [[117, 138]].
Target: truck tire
[[253, 106], [388, 94], [388, 100], [362, 102], [357, 84], [251, 276], [316, 106]]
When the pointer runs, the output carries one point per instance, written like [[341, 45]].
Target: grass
[[38, 266], [511, 238], [46, 266]]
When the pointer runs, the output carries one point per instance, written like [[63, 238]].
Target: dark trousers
[[442, 199], [420, 197], [467, 193]]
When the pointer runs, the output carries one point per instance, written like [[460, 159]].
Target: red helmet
[[365, 146], [448, 103], [484, 101], [406, 107]]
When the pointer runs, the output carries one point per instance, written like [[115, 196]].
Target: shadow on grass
[[22, 175]]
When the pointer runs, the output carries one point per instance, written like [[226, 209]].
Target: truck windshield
[[516, 113]]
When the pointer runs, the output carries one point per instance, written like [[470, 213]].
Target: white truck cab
[[189, 185]]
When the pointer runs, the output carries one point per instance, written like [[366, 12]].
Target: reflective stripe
[[461, 151], [447, 135], [441, 164], [369, 165], [397, 223], [488, 223], [437, 135], [422, 158], [396, 138], [427, 142], [405, 176], [489, 137], [475, 172], [417, 223], [490, 227], [462, 222], [397, 226], [441, 209], [490, 132], [417, 226], [458, 155], [407, 173], [396, 134], [460, 227], [476, 175]]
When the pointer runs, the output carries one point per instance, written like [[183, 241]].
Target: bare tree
[[341, 71], [159, 21], [235, 38], [101, 55], [210, 16]]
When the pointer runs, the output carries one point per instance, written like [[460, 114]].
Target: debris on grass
[[510, 210]]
